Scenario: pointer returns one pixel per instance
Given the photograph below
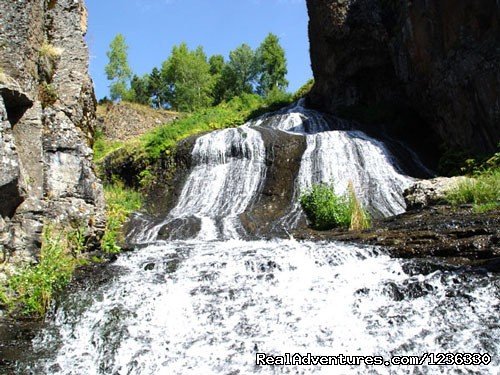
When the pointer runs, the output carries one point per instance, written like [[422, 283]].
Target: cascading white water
[[339, 156], [209, 307], [228, 166], [343, 157]]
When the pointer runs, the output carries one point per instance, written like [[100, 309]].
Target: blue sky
[[152, 27]]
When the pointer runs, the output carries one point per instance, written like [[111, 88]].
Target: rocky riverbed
[[458, 235]]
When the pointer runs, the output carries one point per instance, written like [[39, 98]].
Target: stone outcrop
[[457, 234], [430, 192], [47, 119], [438, 60]]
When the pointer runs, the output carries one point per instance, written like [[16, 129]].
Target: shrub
[[327, 210], [324, 209], [483, 191]]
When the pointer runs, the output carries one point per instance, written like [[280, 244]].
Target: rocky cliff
[[47, 116], [437, 61]]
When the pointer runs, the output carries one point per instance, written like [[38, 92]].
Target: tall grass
[[360, 219], [483, 191]]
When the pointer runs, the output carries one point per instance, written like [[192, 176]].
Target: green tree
[[156, 89], [271, 65], [217, 65], [238, 75], [139, 90], [118, 70], [187, 79]]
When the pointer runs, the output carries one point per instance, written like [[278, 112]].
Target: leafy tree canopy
[[272, 65], [118, 71], [140, 90], [187, 78]]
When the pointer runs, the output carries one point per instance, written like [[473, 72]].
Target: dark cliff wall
[[438, 59], [47, 115]]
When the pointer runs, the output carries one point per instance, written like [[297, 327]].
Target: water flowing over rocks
[[246, 182], [210, 306], [224, 265], [47, 115]]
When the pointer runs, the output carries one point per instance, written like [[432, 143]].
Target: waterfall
[[209, 304], [338, 155], [228, 167], [208, 308]]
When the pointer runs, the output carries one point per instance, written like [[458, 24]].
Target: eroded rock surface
[[438, 59], [436, 231], [47, 119], [430, 192]]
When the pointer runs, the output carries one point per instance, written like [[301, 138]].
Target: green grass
[[483, 191], [30, 291], [104, 146], [228, 114], [326, 210], [162, 140], [120, 203], [304, 90]]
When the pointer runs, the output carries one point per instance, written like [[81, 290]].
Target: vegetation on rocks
[[327, 210], [227, 114], [30, 291], [304, 90], [483, 189], [120, 203], [50, 51], [103, 145], [162, 140]]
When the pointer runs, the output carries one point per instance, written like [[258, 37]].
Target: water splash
[[198, 307]]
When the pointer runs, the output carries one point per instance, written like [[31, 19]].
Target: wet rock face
[[439, 58], [432, 232], [47, 117]]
